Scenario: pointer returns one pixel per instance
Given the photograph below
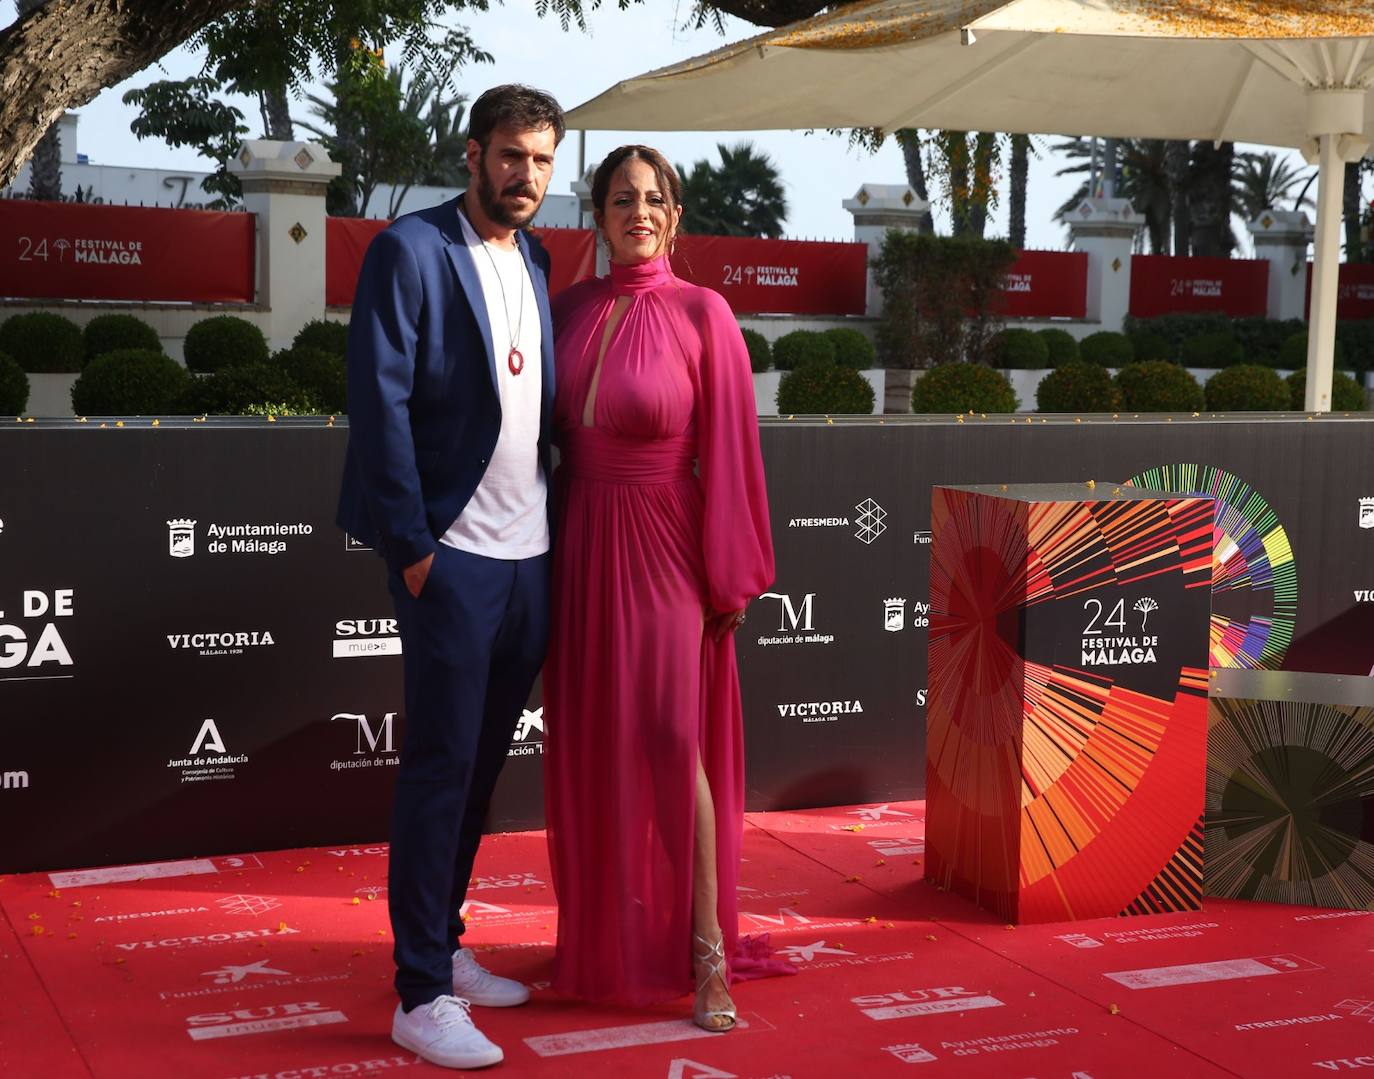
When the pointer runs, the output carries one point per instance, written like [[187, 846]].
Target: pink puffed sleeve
[[738, 540]]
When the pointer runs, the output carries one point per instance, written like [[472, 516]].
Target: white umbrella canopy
[[1292, 73]]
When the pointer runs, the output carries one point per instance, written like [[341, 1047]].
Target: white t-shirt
[[507, 515]]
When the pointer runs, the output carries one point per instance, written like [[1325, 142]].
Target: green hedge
[[852, 348], [233, 391], [802, 347], [760, 352], [1078, 387], [324, 335], [14, 387], [1357, 341], [1247, 387], [1106, 349], [322, 376], [214, 344], [43, 343], [106, 333], [1347, 395], [824, 389], [1062, 345], [1294, 352], [1147, 345], [1158, 386], [963, 387], [129, 382], [1020, 349], [1218, 349]]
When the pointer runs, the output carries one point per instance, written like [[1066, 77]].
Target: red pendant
[[515, 361]]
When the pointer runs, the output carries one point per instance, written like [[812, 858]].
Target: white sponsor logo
[[151, 914], [17, 780], [1329, 914], [1344, 1063], [206, 939], [232, 974], [1220, 971], [347, 1067], [910, 1053], [181, 537], [358, 852], [1008, 1043], [871, 519], [682, 1068], [1120, 648], [894, 614], [877, 812], [1294, 1021], [787, 916], [190, 867], [1364, 1009], [624, 1037], [374, 746], [525, 742], [199, 767], [490, 914], [1079, 940], [247, 904], [806, 953], [356, 637], [1137, 936], [98, 252], [233, 538], [819, 711], [1364, 595], [220, 644], [898, 845], [914, 1002], [1366, 516], [512, 880], [48, 646], [796, 621], [371, 891], [922, 538], [273, 1017], [351, 544]]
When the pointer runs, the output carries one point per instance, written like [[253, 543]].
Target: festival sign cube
[[1066, 749]]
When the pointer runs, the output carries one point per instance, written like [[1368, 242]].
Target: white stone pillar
[[877, 208], [1106, 229], [1281, 238], [583, 190], [284, 185]]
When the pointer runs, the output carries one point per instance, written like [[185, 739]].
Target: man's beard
[[495, 209]]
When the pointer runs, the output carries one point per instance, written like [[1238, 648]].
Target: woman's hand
[[721, 623]]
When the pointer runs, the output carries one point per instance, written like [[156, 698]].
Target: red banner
[[792, 277], [1165, 285], [1354, 291], [1047, 284], [72, 251], [572, 256]]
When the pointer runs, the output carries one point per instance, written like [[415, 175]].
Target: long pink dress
[[634, 690]]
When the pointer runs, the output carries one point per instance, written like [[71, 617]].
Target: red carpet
[[277, 966]]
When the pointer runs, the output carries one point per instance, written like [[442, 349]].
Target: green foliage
[[760, 351], [14, 387], [105, 333], [852, 348], [232, 391], [1062, 346], [743, 196], [1261, 339], [322, 376], [1147, 345], [1347, 395], [963, 387], [1356, 338], [323, 334], [129, 382], [1218, 349], [1084, 386], [1294, 352], [822, 388], [942, 297], [1021, 349], [1158, 386], [1246, 387], [213, 344], [186, 113], [1106, 349], [43, 343], [801, 348]]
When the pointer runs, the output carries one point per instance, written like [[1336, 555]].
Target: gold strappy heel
[[714, 959]]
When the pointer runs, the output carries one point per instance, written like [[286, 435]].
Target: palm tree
[[1264, 181], [1020, 175], [1144, 180], [743, 196], [1210, 199]]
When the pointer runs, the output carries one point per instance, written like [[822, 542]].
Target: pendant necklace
[[514, 360]]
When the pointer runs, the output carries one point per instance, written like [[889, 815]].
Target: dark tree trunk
[[984, 143], [1176, 157], [957, 161], [909, 139], [276, 114], [1210, 199], [1020, 176], [45, 179], [1350, 205], [64, 53]]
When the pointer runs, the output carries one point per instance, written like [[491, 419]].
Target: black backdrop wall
[[193, 660]]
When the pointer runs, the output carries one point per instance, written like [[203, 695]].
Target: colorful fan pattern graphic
[[1059, 788], [1290, 803], [1254, 578]]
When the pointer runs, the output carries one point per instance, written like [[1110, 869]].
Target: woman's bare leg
[[705, 922]]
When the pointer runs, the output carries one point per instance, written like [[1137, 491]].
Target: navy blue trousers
[[473, 643]]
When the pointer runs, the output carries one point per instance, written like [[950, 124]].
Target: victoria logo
[[181, 537], [871, 519], [1366, 517], [220, 644]]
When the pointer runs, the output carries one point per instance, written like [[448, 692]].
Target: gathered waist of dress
[[594, 454]]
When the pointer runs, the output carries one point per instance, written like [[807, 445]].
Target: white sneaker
[[442, 1033], [479, 986]]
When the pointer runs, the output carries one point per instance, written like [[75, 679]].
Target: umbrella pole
[[1321, 325]]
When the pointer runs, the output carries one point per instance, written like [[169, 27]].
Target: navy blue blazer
[[424, 409]]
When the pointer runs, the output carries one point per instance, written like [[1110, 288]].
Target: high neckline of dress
[[641, 277]]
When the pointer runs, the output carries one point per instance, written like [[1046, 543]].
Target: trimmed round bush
[[1158, 386], [1148, 345], [1212, 350], [852, 348], [129, 382], [1020, 349], [324, 335], [1078, 387], [1347, 395], [963, 387], [802, 347], [321, 375], [824, 389], [105, 333], [1293, 354], [1247, 387], [234, 390], [214, 344], [760, 352], [1106, 348], [41, 342], [1062, 345], [14, 387]]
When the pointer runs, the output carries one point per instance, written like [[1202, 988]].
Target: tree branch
[[768, 12]]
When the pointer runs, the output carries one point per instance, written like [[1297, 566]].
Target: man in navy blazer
[[450, 401]]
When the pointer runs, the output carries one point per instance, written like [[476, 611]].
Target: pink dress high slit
[[634, 691]]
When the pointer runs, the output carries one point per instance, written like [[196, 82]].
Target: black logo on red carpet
[[30, 639]]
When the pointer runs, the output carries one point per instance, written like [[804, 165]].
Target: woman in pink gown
[[653, 567]]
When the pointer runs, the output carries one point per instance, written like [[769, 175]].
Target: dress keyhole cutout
[[618, 309]]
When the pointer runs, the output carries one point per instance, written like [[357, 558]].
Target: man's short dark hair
[[513, 105]]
